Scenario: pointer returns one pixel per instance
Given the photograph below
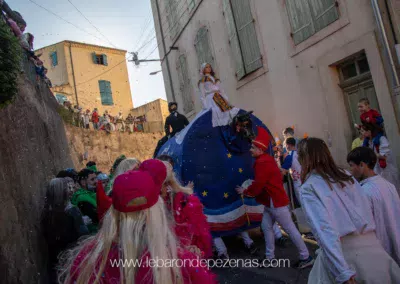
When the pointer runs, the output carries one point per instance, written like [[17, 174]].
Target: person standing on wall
[[174, 123]]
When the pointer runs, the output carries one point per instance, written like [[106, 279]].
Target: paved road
[[244, 275]]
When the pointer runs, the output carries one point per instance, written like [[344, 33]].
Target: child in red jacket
[[370, 116], [268, 190]]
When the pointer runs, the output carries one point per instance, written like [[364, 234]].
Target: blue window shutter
[[105, 59], [54, 59], [105, 92], [94, 57]]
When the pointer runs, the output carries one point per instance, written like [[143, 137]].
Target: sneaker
[[281, 242], [301, 264], [252, 249]]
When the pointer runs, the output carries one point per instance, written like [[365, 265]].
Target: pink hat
[[156, 169], [135, 191]]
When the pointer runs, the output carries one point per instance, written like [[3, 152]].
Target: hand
[[352, 280], [190, 185], [240, 189], [194, 249]]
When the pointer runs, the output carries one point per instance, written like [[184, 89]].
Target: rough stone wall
[[33, 148], [105, 148]]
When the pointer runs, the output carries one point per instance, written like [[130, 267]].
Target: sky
[[127, 24]]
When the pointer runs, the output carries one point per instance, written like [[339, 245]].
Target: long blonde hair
[[126, 165], [173, 182], [135, 233]]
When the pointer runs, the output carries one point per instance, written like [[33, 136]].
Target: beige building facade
[[293, 62], [153, 114], [88, 75]]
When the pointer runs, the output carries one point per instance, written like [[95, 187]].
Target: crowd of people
[[107, 122], [18, 25]]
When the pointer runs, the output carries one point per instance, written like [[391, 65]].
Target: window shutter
[[300, 20], [188, 105], [105, 59], [233, 40], [203, 48], [109, 100], [191, 4], [94, 57], [324, 13], [54, 59], [173, 21], [105, 92]]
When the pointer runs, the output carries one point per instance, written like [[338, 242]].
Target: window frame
[[342, 22], [54, 57]]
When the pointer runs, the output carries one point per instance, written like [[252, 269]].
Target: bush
[[10, 64]]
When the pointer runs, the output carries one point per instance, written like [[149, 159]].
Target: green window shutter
[[94, 57], [108, 99], [233, 40], [324, 13], [191, 4], [185, 84], [203, 47], [300, 20], [105, 62], [172, 17], [54, 59], [247, 35]]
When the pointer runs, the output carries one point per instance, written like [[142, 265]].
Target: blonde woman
[[103, 201], [135, 228], [191, 225]]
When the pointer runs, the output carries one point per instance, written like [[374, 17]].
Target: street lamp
[[155, 73]]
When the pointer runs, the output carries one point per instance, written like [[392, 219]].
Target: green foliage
[[66, 115], [10, 64]]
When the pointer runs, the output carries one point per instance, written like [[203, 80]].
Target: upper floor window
[[308, 17], [242, 36], [173, 17], [106, 93], [100, 59], [203, 47], [54, 59], [185, 84]]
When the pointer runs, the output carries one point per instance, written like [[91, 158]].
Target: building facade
[[88, 75], [152, 114], [293, 62]]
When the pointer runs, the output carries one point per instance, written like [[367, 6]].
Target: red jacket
[[95, 117], [371, 116], [267, 183]]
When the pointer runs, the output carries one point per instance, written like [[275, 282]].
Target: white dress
[[385, 204], [207, 89], [390, 173]]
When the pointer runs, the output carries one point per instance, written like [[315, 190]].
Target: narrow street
[[243, 275]]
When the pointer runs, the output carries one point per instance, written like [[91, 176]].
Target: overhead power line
[[61, 18], [102, 73], [90, 22]]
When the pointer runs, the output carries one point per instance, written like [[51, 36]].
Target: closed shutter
[[185, 85], [105, 92], [105, 62], [324, 13], [300, 20], [203, 48], [233, 40], [247, 35], [94, 58], [191, 4], [54, 59], [172, 16]]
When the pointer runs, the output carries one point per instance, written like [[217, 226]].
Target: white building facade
[[301, 63]]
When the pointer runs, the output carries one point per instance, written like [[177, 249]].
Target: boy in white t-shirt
[[291, 164]]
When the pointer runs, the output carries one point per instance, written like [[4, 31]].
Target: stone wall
[[33, 149], [90, 145]]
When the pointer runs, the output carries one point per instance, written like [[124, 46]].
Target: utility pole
[[73, 75], [165, 52]]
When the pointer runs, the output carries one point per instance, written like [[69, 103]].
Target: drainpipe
[[396, 88], [73, 75]]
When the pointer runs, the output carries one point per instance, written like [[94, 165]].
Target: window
[[308, 17], [191, 5], [100, 59], [242, 36], [356, 82], [61, 98], [203, 47], [105, 93], [172, 16], [54, 59], [185, 84]]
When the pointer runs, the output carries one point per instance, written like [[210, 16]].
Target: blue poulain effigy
[[217, 161]]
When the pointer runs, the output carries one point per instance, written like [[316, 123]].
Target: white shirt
[[385, 205], [295, 169], [334, 212]]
